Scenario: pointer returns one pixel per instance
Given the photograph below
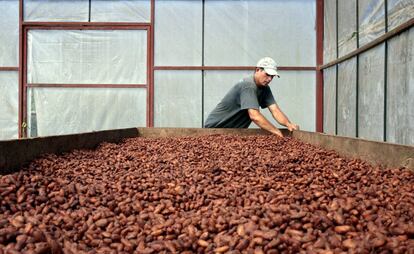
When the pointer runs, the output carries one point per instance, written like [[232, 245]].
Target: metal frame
[[319, 60]]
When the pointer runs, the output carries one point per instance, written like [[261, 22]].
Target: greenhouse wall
[[79, 65], [368, 58]]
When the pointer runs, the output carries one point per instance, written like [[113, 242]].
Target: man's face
[[262, 78]]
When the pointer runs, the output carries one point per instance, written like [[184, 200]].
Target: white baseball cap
[[269, 65]]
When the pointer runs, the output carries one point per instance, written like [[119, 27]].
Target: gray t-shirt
[[231, 112]]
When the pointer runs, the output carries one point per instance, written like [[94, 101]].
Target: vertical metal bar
[[89, 15], [319, 61], [337, 72], [150, 89], [24, 85], [385, 71], [357, 73], [20, 75], [202, 63]]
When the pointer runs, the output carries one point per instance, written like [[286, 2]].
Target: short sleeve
[[267, 98], [248, 98]]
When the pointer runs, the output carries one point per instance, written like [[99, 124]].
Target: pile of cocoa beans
[[207, 194]]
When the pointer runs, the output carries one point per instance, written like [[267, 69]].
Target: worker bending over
[[240, 106]]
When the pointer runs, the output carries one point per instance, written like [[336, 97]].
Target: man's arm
[[281, 118], [262, 122]]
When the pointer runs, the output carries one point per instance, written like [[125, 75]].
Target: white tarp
[[56, 10], [400, 89], [329, 100], [9, 101], [9, 33], [238, 33], [346, 114], [178, 33], [347, 30], [399, 11], [75, 110], [371, 94], [87, 56], [178, 99], [329, 42], [120, 11], [371, 20]]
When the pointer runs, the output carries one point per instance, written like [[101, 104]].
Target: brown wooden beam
[[233, 68], [88, 85], [9, 68], [319, 60]]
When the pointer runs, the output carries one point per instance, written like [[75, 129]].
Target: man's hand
[[278, 133], [292, 126]]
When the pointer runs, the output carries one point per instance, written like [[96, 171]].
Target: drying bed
[[208, 194]]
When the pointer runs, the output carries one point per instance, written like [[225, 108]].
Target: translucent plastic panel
[[347, 30], [87, 56], [9, 32], [371, 20], [329, 42], [371, 94], [178, 33], [239, 33], [295, 93], [399, 11], [9, 101], [400, 89], [74, 110], [177, 99], [329, 100], [347, 98], [56, 10], [120, 11]]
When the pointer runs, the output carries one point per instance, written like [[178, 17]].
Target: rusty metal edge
[[374, 152]]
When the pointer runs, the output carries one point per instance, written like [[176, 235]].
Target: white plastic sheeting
[[9, 32], [87, 56], [238, 33], [56, 10], [178, 33], [120, 11], [347, 98], [371, 20], [371, 94], [178, 99], [9, 101], [399, 11], [347, 30], [400, 89], [329, 100], [75, 110], [329, 42]]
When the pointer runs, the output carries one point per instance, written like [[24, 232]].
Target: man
[[240, 106]]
